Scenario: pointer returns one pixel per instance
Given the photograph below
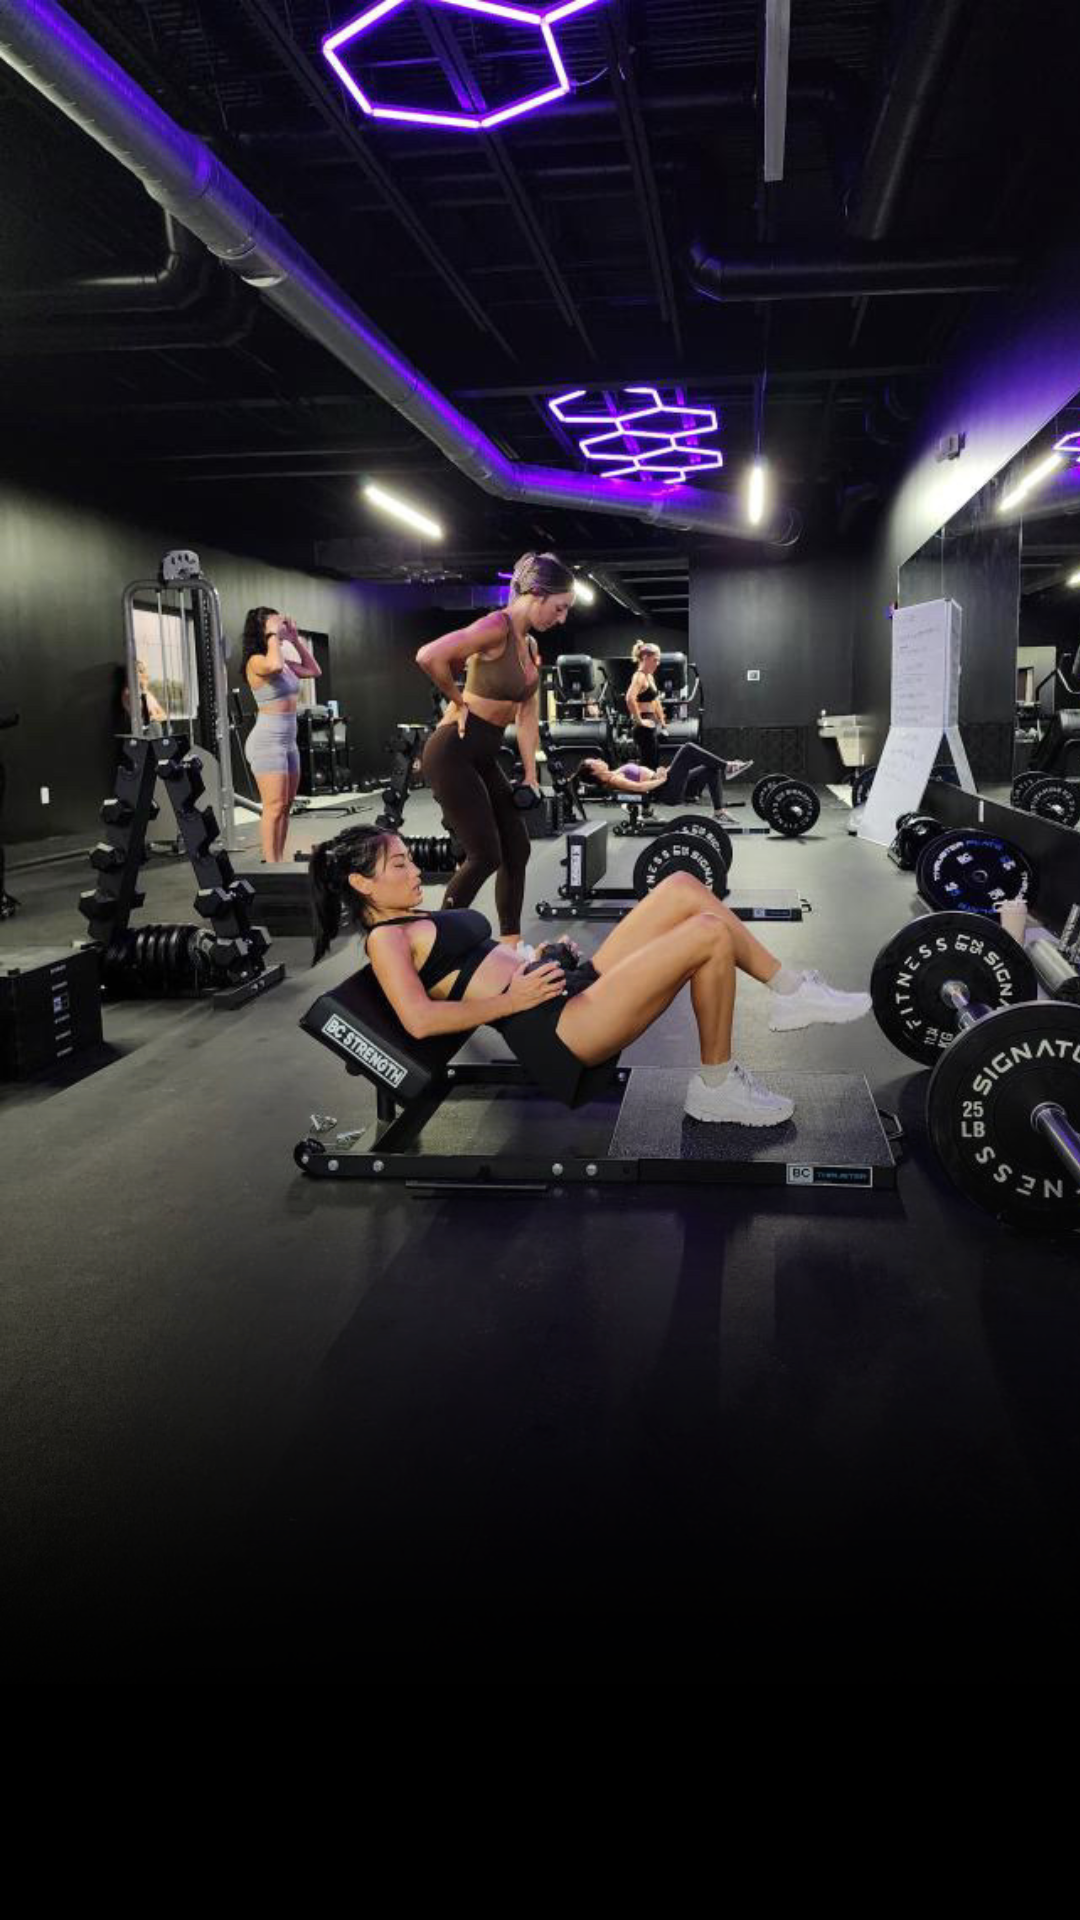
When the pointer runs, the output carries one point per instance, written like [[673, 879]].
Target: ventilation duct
[[59, 60], [776, 275], [170, 288], [223, 320], [904, 112]]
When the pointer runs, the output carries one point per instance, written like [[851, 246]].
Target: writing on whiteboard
[[926, 664]]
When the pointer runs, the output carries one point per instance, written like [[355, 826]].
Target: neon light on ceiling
[[673, 430], [1069, 443], [541, 21]]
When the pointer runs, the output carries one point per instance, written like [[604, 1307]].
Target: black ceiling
[[514, 265]]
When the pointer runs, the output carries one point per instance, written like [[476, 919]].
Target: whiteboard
[[900, 780], [925, 706], [926, 664]]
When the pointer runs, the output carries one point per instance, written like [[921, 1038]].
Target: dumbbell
[[526, 797], [1003, 1102]]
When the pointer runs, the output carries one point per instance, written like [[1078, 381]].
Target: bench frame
[[396, 1130]]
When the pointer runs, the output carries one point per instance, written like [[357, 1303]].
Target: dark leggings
[[645, 740], [477, 802], [692, 769]]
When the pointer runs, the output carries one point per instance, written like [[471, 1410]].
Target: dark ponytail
[[255, 632], [356, 850]]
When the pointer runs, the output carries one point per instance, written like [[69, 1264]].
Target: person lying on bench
[[561, 1017], [691, 770]]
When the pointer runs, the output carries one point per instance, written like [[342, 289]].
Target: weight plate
[[792, 808], [861, 785], [1054, 799], [903, 818], [979, 1104], [1022, 786], [973, 872], [918, 828], [707, 829], [760, 795], [911, 970], [679, 853]]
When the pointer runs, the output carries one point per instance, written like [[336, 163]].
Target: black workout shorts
[[532, 1039]]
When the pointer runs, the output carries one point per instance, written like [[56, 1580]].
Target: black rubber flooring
[[261, 1429]]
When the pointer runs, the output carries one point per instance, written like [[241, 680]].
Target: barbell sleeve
[[1052, 1122], [1057, 974]]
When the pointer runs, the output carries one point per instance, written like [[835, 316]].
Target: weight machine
[[176, 621]]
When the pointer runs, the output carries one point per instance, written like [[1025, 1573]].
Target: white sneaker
[[733, 768], [723, 818], [739, 1101], [815, 1004]]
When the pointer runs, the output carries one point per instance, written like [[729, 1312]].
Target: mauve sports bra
[[489, 678], [276, 686]]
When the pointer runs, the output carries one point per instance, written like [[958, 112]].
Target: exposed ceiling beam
[[631, 120], [266, 19], [715, 379], [445, 47]]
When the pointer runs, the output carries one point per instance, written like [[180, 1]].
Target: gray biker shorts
[[271, 745]]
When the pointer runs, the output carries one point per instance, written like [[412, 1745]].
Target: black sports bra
[[462, 941]]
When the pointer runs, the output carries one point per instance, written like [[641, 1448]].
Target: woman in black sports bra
[[460, 759], [566, 1019]]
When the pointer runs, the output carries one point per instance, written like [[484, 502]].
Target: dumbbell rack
[[225, 964]]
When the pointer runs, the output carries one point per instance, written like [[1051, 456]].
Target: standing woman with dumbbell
[[644, 705], [460, 759]]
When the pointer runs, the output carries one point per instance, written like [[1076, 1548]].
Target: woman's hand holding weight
[[527, 990]]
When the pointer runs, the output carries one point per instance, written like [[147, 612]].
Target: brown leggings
[[477, 803]]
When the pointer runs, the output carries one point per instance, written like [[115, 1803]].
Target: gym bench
[[630, 1131]]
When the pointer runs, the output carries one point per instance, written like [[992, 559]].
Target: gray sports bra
[[276, 686]]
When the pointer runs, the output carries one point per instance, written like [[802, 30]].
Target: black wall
[[63, 568], [1015, 368], [795, 624], [607, 639]]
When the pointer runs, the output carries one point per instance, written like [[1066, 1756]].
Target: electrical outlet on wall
[[44, 796], [753, 673]]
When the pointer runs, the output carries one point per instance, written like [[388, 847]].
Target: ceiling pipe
[[904, 112], [62, 62], [778, 275], [170, 288], [617, 590], [223, 321]]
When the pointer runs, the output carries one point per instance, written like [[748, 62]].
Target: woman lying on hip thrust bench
[[692, 769], [443, 973]]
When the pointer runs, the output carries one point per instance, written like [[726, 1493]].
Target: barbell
[[694, 845], [1048, 796], [788, 804], [1003, 1101]]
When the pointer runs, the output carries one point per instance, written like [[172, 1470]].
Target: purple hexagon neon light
[[543, 20], [641, 441], [1069, 443]]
